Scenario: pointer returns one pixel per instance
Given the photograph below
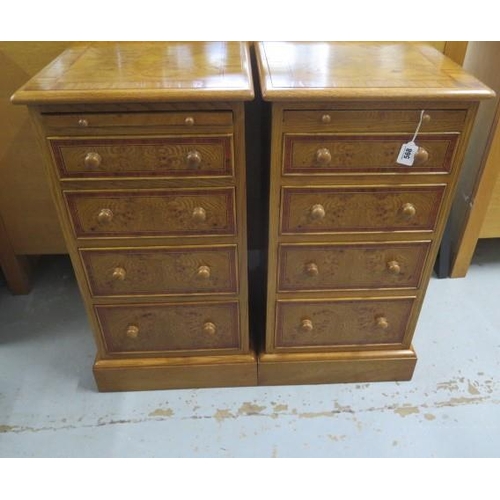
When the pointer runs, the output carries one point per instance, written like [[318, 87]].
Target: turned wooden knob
[[203, 272], [312, 269], [92, 160], [105, 215], [326, 118], [193, 159], [119, 273], [199, 214], [318, 211], [323, 156], [132, 331], [409, 210], [209, 328], [426, 118], [381, 322], [82, 122], [189, 121], [421, 156], [306, 325], [393, 267]]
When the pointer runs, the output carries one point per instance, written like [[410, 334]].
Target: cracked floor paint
[[162, 412]]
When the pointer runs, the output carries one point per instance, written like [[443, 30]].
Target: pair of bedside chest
[[145, 150]]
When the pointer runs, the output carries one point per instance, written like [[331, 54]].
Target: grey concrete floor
[[49, 405]]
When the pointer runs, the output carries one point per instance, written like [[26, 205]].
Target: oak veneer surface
[[371, 120], [350, 266], [359, 210], [104, 123], [362, 70], [110, 72], [161, 270], [341, 323], [144, 156], [156, 213], [353, 235], [323, 154], [170, 327], [144, 149]]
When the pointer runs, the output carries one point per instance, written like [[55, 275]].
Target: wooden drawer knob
[[326, 119], [381, 322], [82, 122], [312, 269], [119, 273], [393, 267], [92, 160], [306, 325], [323, 156], [189, 121], [199, 214], [318, 212], [409, 210], [132, 331], [105, 215], [426, 118], [203, 272], [209, 328], [193, 159], [421, 156]]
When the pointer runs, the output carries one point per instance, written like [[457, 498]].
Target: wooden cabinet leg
[[16, 268]]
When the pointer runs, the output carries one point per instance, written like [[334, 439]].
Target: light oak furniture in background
[[476, 209], [454, 50], [145, 152], [353, 235], [28, 219]]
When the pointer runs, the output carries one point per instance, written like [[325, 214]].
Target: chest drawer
[[187, 327], [374, 120], [304, 267], [162, 212], [350, 209], [161, 270], [330, 154], [330, 323], [169, 156], [82, 123]]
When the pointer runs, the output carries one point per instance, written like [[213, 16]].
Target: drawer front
[[170, 327], [351, 266], [375, 120], [94, 121], [161, 270], [343, 323], [172, 212], [171, 156], [371, 209], [330, 154]]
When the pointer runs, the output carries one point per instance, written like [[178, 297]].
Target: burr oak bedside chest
[[144, 146], [353, 231]]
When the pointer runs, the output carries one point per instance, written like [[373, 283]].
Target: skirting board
[[375, 366], [245, 370], [175, 373]]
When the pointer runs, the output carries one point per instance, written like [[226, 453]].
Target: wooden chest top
[[362, 70], [114, 72]]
